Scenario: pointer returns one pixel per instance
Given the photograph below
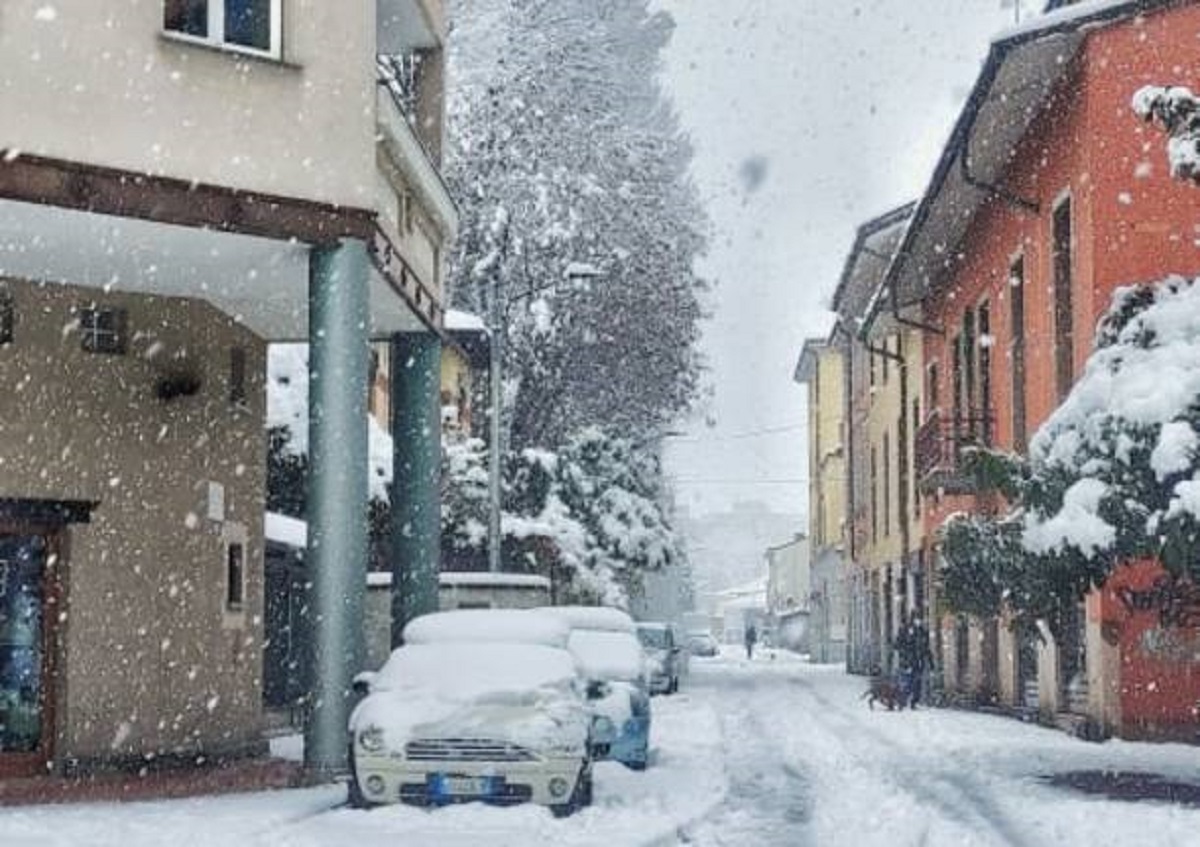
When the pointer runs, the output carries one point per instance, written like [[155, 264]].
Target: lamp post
[[498, 327]]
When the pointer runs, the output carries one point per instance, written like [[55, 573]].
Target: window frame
[[91, 336], [216, 34], [8, 318]]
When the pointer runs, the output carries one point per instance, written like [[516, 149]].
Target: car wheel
[[636, 765]]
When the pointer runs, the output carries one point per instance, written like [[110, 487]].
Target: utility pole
[[498, 327], [499, 331]]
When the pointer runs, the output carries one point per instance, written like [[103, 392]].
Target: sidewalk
[[242, 775]]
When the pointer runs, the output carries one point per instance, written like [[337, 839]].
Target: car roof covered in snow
[[488, 626], [608, 655], [462, 672], [602, 618]]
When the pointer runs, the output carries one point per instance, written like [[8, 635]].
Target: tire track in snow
[[952, 792], [769, 803]]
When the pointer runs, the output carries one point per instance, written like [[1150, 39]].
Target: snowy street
[[774, 752]]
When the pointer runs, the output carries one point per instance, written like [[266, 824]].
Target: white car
[[460, 720]]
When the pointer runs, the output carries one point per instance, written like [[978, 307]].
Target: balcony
[[939, 447]]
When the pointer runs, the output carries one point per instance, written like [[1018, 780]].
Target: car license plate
[[444, 785]]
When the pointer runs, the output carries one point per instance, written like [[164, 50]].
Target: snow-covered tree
[[565, 157], [1177, 110], [1113, 475]]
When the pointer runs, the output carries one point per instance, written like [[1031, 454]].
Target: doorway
[[28, 591]]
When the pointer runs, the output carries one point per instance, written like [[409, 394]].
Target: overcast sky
[[808, 117]]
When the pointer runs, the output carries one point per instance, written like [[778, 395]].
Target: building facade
[[822, 369], [1049, 196], [185, 187]]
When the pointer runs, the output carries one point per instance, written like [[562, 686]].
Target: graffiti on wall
[[1177, 601]]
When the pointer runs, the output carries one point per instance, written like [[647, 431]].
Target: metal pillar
[[416, 505], [499, 333], [337, 497]]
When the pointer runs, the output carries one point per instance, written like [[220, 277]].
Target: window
[[1064, 347], [8, 315], [235, 575], [237, 376], [1016, 304], [916, 491], [887, 487], [887, 348], [103, 329], [874, 496], [933, 388], [984, 323], [253, 25]]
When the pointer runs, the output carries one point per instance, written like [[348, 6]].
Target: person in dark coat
[[751, 640], [915, 658]]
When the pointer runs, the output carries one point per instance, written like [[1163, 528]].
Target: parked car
[[606, 647], [456, 716], [665, 658], [703, 644]]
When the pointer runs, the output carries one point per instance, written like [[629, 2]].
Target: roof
[[874, 243], [1024, 65], [810, 353]]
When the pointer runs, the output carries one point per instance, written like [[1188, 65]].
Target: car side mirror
[[362, 683]]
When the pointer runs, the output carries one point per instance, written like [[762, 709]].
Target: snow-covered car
[[703, 644], [606, 648], [665, 658], [461, 721]]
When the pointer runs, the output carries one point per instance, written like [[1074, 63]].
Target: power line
[[753, 433]]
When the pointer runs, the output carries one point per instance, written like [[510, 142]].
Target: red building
[[1049, 195]]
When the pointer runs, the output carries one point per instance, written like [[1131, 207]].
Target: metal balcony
[[940, 444]]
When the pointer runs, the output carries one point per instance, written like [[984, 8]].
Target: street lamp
[[498, 327]]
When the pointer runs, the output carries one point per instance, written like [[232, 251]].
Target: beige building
[[880, 353], [184, 185], [822, 368]]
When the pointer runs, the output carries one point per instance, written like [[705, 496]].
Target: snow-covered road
[[773, 752]]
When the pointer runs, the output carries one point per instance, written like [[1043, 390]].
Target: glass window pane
[[248, 23], [187, 16], [21, 560]]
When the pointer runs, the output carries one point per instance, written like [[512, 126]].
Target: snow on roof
[[582, 269], [1064, 16], [479, 669], [488, 626], [486, 579], [459, 320], [615, 656], [285, 530], [601, 618]]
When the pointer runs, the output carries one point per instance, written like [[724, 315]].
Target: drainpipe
[[417, 455], [336, 557]]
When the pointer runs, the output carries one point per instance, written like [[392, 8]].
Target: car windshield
[[655, 638], [607, 655]]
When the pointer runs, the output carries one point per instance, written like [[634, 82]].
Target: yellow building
[[822, 369], [882, 400]]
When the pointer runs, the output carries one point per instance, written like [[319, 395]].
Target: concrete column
[[416, 504], [339, 304]]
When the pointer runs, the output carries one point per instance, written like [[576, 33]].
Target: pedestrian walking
[[751, 640]]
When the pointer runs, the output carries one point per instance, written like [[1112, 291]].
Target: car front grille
[[466, 750]]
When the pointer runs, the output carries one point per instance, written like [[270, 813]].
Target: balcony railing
[[940, 443]]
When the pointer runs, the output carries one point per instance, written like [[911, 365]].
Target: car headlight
[[371, 738]]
